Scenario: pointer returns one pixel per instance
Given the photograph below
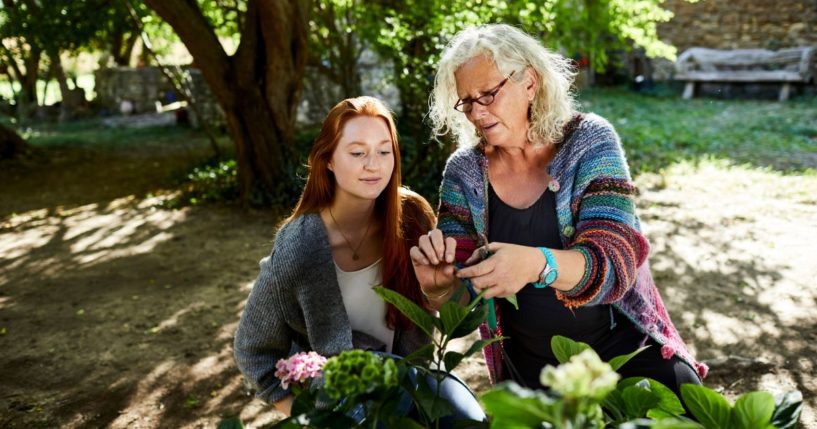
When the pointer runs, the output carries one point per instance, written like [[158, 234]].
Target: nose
[[371, 162], [478, 111]]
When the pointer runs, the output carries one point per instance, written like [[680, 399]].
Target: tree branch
[[200, 39]]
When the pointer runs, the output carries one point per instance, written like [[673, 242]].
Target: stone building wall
[[740, 24], [729, 24], [319, 94], [143, 87]]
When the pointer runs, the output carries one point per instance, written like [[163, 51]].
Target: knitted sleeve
[[454, 217], [263, 337], [607, 230]]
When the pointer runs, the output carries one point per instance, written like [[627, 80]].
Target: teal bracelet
[[550, 273]]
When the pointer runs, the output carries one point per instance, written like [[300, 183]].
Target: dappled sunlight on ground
[[140, 336], [89, 233], [733, 254]]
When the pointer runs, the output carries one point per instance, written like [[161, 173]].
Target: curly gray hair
[[511, 50]]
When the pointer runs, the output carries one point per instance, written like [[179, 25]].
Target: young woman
[[351, 230]]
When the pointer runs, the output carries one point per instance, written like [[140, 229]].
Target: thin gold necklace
[[355, 256]]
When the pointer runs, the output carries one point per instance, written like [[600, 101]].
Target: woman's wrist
[[538, 265]]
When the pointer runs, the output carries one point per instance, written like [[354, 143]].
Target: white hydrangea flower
[[585, 375]]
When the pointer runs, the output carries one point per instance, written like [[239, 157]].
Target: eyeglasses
[[467, 104]]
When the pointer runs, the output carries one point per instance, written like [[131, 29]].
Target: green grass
[[658, 131], [92, 134]]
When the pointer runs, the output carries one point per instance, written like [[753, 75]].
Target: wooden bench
[[786, 66]]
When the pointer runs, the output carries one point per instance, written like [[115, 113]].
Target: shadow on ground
[[114, 311]]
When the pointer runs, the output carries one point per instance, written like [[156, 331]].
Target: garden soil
[[117, 311]]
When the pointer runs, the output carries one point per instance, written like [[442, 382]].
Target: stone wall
[[319, 94], [740, 24], [731, 24], [143, 87]]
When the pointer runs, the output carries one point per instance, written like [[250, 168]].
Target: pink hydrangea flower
[[299, 367]]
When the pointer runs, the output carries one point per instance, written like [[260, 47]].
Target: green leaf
[[452, 314], [564, 348], [475, 318], [619, 361], [674, 423], [403, 422], [614, 405], [637, 400], [787, 408], [513, 300], [512, 406], [233, 422], [432, 406], [480, 344], [417, 315], [452, 359], [658, 414], [470, 424], [708, 406], [753, 410], [667, 400], [423, 354], [303, 403]]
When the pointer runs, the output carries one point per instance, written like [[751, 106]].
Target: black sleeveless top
[[541, 315]]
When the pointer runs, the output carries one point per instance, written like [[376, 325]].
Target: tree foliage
[[256, 75], [416, 31], [33, 30]]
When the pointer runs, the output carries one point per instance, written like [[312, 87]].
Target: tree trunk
[[122, 41], [27, 97], [11, 144], [70, 97], [258, 87]]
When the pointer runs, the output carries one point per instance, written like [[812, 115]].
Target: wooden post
[[689, 90], [784, 91]]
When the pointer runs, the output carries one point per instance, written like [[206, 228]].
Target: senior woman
[[538, 202]]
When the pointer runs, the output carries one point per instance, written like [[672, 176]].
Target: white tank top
[[366, 310]]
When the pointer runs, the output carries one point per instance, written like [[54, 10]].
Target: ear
[[531, 82], [330, 166]]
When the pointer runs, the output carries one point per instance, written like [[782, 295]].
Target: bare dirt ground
[[115, 312]]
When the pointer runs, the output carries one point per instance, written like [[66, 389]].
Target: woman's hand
[[502, 269], [433, 261]]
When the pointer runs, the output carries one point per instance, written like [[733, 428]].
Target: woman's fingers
[[497, 268], [436, 247], [474, 258], [485, 267], [437, 243], [417, 256], [425, 245], [450, 249]]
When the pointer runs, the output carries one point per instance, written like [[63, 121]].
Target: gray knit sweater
[[296, 305]]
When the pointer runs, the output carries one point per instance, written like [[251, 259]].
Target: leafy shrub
[[583, 391], [214, 181], [581, 395]]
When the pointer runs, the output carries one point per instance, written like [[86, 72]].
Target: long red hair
[[404, 215]]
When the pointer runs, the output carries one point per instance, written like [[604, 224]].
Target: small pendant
[[355, 257]]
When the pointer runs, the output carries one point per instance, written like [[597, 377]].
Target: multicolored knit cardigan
[[596, 212]]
